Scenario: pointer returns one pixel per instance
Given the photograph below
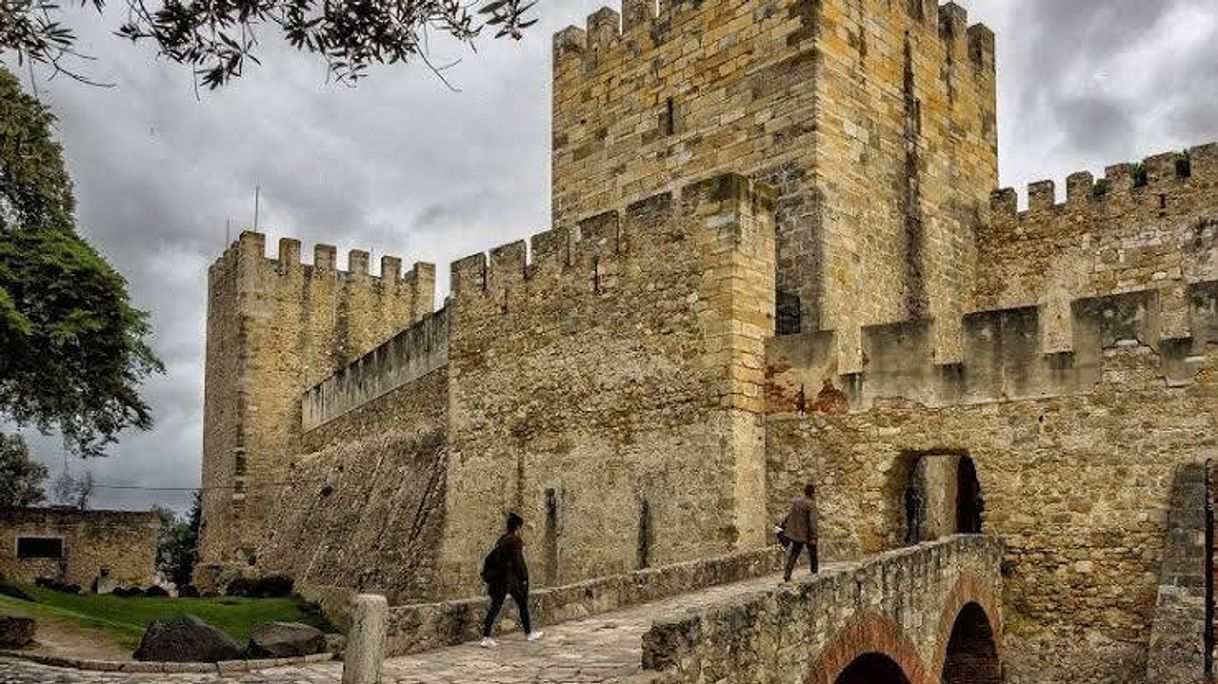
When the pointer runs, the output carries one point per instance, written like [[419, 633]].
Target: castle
[[777, 256]]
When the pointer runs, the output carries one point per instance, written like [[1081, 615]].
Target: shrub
[[271, 586], [240, 587], [274, 586], [56, 585]]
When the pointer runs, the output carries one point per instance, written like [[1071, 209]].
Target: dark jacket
[[506, 570], [801, 523]]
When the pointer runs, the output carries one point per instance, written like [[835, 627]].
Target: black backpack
[[492, 566]]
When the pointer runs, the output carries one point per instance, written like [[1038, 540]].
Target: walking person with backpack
[[800, 528], [506, 574]]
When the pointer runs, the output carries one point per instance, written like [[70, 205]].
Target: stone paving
[[601, 649]]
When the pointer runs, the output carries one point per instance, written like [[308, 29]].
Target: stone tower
[[275, 327], [873, 119]]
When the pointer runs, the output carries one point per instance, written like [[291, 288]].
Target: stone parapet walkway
[[602, 649]]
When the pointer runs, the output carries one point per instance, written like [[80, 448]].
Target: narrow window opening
[[1209, 569], [505, 300], [596, 275], [788, 317], [645, 535], [39, 547], [1162, 201], [551, 537], [670, 117]]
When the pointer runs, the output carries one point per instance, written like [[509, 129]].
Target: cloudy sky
[[404, 166]]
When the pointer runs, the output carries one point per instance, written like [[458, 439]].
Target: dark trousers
[[793, 557], [498, 596]]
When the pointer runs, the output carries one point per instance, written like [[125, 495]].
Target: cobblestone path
[[602, 649]]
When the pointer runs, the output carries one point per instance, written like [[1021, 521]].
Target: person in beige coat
[[800, 528]]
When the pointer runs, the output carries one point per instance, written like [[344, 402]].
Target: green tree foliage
[[218, 37], [178, 549], [20, 478], [72, 348]]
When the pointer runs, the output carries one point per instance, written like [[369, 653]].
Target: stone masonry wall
[[1150, 226], [1076, 474], [873, 120], [122, 543], [276, 327], [610, 389], [1177, 638], [406, 357], [363, 506]]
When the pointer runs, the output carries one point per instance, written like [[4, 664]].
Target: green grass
[[125, 619]]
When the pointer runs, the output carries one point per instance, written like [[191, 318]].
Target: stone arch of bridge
[[969, 638], [872, 668], [870, 646]]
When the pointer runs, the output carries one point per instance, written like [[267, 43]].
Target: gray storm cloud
[[405, 166]]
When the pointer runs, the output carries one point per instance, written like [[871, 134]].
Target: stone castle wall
[[411, 354], [363, 505], [1151, 226], [1076, 486], [1079, 408], [120, 543], [610, 388], [874, 121], [276, 327]]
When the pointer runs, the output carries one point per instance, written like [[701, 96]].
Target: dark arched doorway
[[942, 497], [972, 652], [872, 668], [969, 504]]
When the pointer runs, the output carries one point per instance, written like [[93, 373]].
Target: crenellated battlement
[[640, 27], [252, 248], [593, 256], [1004, 358], [1159, 174]]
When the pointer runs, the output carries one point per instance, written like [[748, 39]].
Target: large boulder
[[16, 632], [286, 640], [186, 639]]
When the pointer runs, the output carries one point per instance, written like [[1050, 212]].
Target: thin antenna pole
[[257, 198]]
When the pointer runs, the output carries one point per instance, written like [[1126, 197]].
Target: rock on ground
[[16, 632], [186, 639], [286, 640]]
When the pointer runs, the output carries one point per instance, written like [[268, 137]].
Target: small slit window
[[39, 547], [670, 117]]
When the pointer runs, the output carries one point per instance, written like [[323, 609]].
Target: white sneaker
[[488, 642], [534, 636]]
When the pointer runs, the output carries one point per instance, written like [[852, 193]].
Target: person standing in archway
[[800, 528]]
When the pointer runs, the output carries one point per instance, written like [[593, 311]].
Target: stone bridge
[[922, 615]]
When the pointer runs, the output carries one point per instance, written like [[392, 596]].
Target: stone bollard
[[366, 640]]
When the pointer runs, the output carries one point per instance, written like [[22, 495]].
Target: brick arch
[[863, 634], [970, 589]]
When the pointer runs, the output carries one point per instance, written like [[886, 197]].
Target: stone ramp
[[606, 648], [603, 648]]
